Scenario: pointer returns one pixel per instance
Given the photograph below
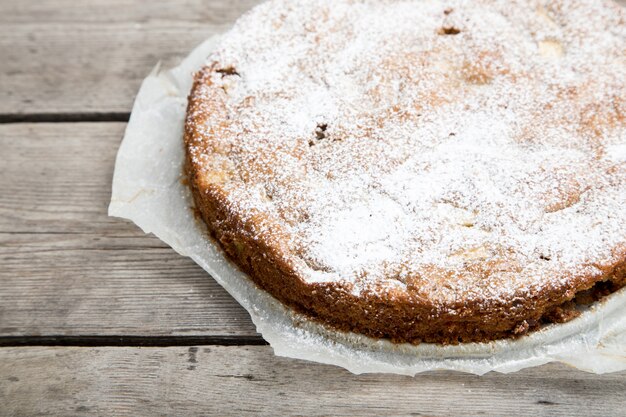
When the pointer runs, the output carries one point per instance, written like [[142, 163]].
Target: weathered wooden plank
[[63, 56], [211, 12], [250, 380], [56, 178], [66, 268]]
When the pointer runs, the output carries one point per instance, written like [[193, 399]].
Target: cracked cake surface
[[440, 171]]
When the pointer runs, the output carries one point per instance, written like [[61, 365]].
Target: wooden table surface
[[97, 318]]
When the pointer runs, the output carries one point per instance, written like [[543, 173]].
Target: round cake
[[418, 170]]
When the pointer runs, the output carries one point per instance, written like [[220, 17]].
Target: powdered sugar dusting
[[459, 148]]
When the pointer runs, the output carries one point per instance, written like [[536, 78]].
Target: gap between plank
[[64, 117], [130, 341]]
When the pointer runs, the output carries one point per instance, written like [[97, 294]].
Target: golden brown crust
[[401, 319], [435, 304]]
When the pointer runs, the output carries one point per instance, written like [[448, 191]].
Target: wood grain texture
[[64, 56], [236, 381], [66, 268]]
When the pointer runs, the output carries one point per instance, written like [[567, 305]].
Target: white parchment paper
[[147, 189]]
